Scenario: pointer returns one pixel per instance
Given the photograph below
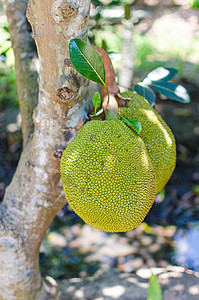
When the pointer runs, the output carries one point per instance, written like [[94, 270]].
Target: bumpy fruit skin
[[157, 136], [108, 177]]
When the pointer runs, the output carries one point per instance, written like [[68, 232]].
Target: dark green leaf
[[87, 61], [154, 290], [172, 91], [5, 28], [135, 123], [96, 100], [160, 74], [146, 92]]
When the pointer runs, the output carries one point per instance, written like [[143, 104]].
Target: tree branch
[[25, 62], [35, 194]]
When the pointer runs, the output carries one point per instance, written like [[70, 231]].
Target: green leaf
[[146, 92], [87, 61], [154, 290], [96, 98], [135, 123], [194, 3], [98, 113], [172, 91], [160, 74]]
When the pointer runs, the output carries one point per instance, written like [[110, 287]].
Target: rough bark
[[26, 62], [35, 194]]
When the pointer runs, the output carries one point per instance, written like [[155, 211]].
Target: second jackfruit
[[157, 136]]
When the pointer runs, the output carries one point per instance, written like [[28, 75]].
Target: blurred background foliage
[[140, 36], [8, 94], [163, 34]]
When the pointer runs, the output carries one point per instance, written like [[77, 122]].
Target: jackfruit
[[157, 136], [108, 177]]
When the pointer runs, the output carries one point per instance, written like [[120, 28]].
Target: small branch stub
[[63, 11], [65, 94], [58, 153]]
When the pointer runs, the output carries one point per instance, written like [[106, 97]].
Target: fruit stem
[[107, 93], [111, 107]]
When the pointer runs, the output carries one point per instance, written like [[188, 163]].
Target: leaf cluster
[[89, 64], [159, 79]]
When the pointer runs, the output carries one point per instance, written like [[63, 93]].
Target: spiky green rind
[[157, 136], [108, 177]]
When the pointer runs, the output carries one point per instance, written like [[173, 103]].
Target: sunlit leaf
[[135, 123], [154, 290], [96, 98], [160, 74], [172, 91], [87, 61], [146, 92]]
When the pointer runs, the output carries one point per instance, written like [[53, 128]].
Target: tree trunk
[[126, 69], [35, 194]]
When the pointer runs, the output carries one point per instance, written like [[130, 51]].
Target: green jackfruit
[[108, 177], [157, 136]]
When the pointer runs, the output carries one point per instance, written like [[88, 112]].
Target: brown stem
[[111, 84], [109, 105], [109, 73]]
